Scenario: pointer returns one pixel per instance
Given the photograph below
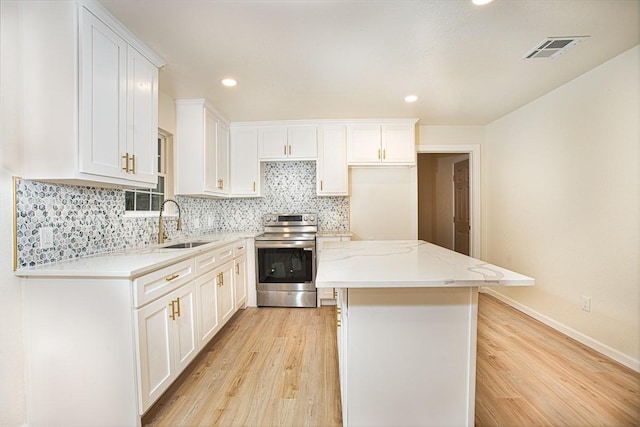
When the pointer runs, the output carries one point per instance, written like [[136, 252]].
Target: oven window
[[285, 265]]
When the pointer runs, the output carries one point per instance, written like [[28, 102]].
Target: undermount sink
[[186, 245]]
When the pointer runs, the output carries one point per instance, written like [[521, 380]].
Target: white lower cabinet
[[207, 307], [166, 341], [240, 280], [106, 361], [224, 291]]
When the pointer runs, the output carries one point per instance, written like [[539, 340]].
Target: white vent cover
[[552, 47]]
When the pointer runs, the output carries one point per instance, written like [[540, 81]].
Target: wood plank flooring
[[278, 367], [528, 374], [267, 367]]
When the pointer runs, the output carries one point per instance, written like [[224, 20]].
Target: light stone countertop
[[406, 263], [130, 263]]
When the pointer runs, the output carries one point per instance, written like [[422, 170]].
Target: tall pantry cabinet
[[90, 97]]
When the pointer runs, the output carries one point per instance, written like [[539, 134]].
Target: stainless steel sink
[[186, 245]]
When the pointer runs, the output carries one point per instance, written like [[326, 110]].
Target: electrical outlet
[[46, 237], [586, 303], [196, 223]]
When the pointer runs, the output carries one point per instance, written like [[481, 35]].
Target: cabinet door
[[302, 142], [240, 282], [364, 144], [332, 170], [398, 144], [184, 327], [206, 289], [142, 109], [210, 152], [224, 280], [272, 142], [103, 99], [154, 349], [222, 158], [245, 166]]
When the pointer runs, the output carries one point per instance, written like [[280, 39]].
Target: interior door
[[461, 207]]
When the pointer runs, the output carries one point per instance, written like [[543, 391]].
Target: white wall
[[12, 385], [561, 203]]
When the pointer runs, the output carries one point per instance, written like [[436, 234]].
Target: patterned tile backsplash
[[87, 220]]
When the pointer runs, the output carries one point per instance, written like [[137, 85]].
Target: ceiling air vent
[[552, 47]]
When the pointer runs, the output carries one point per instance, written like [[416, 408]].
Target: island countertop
[[406, 263]]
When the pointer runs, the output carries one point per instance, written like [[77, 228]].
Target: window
[[144, 200]]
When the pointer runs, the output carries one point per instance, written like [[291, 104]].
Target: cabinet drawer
[[210, 260], [154, 285], [239, 248]]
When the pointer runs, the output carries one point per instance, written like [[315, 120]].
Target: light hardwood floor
[[278, 367], [531, 375]]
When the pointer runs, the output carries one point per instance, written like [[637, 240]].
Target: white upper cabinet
[[202, 150], [95, 118], [332, 172], [287, 142], [245, 166], [381, 143]]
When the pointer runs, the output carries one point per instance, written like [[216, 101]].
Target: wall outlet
[[586, 303], [196, 223], [46, 237]]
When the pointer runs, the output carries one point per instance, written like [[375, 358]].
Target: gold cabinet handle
[[289, 150], [133, 164], [378, 153], [173, 310], [321, 186], [220, 184], [335, 293], [254, 186], [285, 150], [125, 157], [238, 269], [178, 302], [384, 153], [170, 278]]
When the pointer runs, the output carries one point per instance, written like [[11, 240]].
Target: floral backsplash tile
[[88, 220]]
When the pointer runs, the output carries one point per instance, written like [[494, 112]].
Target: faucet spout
[[161, 234]]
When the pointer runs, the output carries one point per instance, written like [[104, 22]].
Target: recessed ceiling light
[[229, 82], [410, 98], [481, 2]]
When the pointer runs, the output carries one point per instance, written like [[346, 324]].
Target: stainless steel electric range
[[286, 261]]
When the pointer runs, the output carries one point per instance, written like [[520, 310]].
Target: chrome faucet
[[161, 234]]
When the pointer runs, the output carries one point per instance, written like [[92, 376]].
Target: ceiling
[[303, 59]]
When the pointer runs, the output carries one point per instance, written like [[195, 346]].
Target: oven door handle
[[306, 245]]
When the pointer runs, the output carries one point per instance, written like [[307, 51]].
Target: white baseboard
[[572, 333]]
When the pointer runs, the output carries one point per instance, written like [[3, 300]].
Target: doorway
[[436, 207], [444, 200]]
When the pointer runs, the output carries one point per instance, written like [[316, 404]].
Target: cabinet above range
[[90, 95]]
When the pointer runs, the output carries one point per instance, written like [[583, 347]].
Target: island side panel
[[79, 352], [411, 356]]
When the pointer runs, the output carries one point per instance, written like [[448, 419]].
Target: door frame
[[474, 187]]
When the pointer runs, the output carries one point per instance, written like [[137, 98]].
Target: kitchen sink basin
[[186, 245]]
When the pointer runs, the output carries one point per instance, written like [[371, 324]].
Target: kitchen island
[[407, 320]]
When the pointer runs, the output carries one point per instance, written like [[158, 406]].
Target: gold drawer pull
[[178, 301], [170, 278]]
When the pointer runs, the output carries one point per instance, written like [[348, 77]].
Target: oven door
[[286, 265]]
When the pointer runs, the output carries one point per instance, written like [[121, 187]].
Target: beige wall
[[383, 203], [561, 203]]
